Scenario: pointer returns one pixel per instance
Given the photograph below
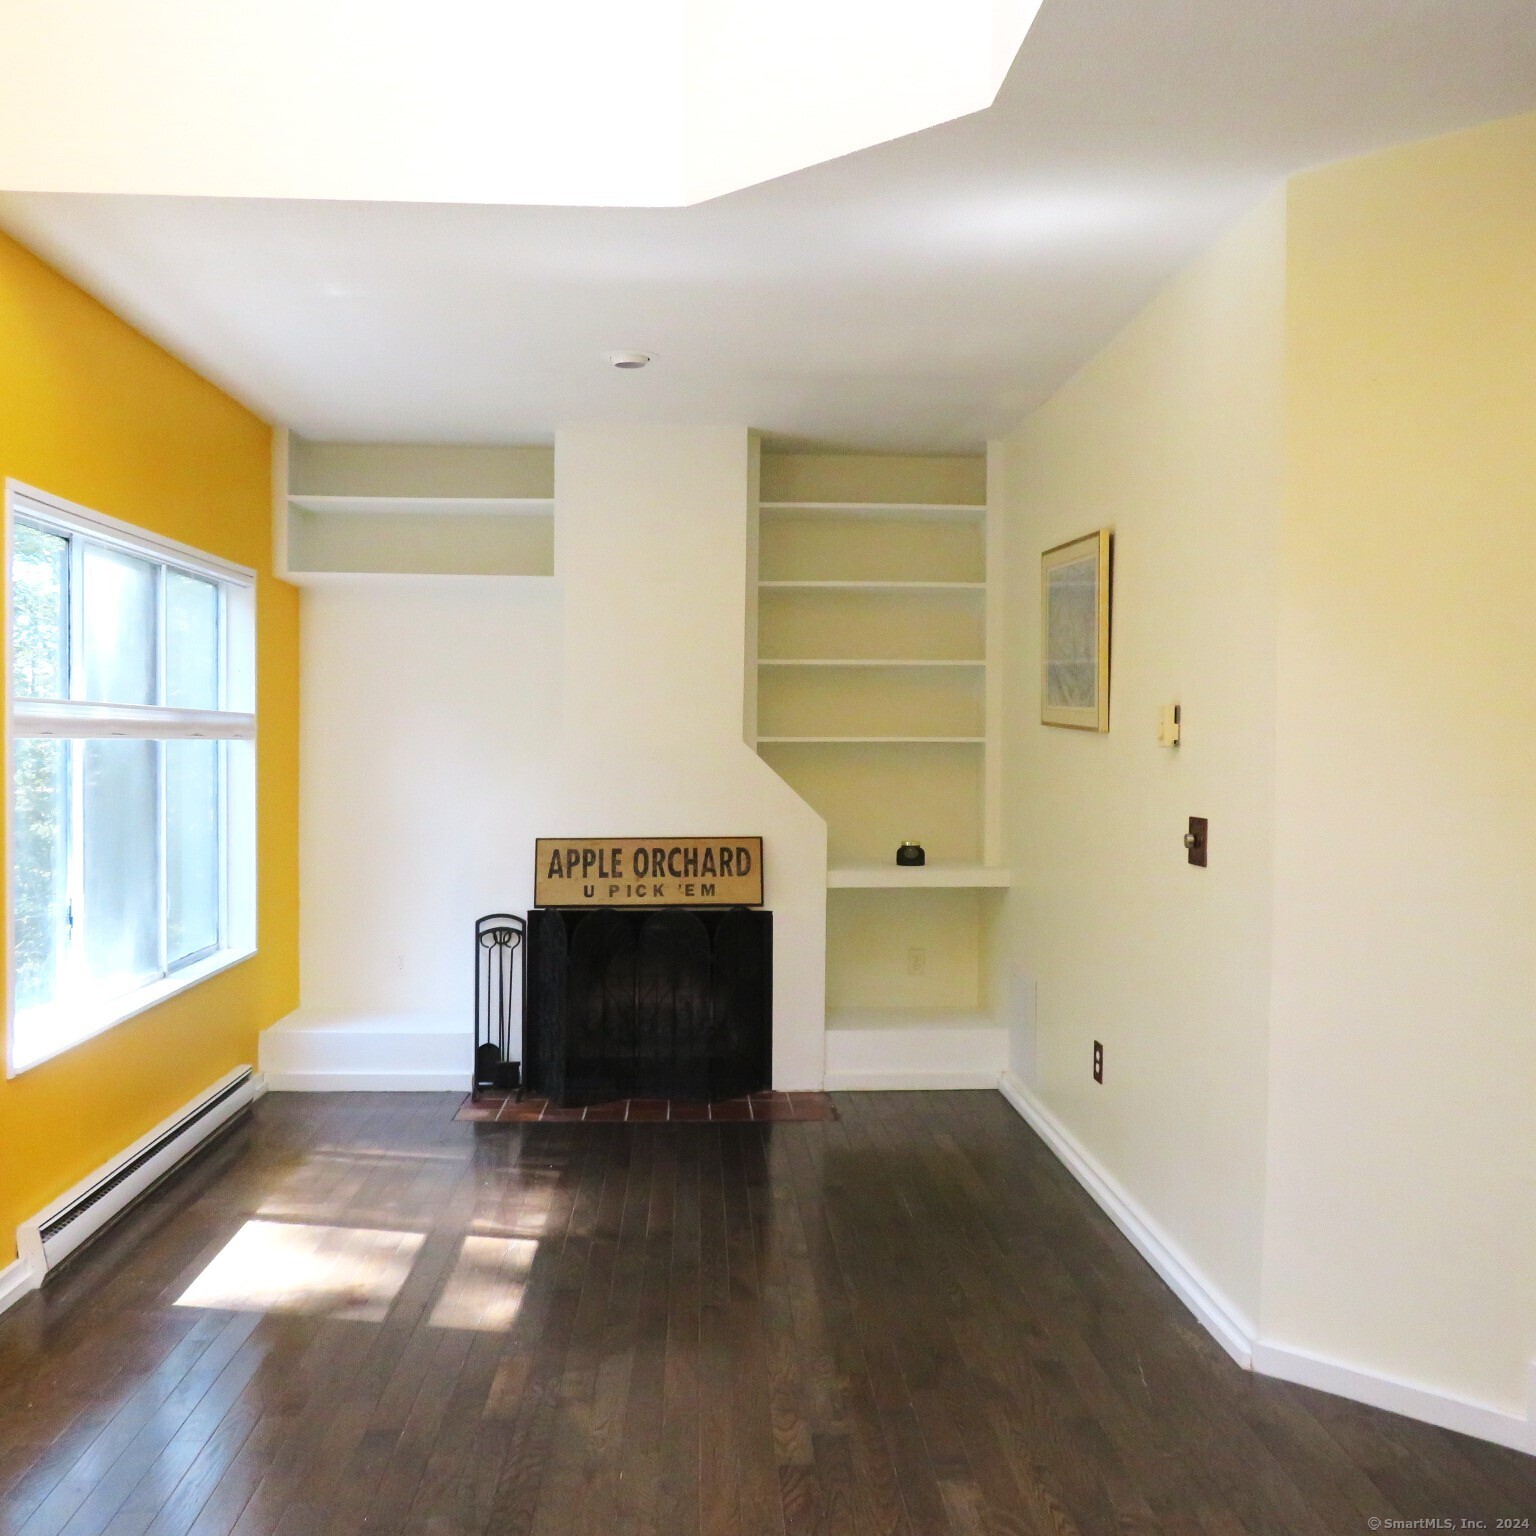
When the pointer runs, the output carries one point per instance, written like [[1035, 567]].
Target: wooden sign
[[648, 872]]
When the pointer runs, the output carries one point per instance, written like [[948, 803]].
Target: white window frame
[[235, 725]]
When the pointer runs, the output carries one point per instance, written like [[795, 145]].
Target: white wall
[[651, 550], [429, 707], [447, 722], [1171, 437]]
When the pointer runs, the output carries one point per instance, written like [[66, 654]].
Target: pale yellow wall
[[1172, 438], [847, 547], [93, 412], [444, 543], [418, 469], [1401, 1231], [871, 701], [886, 477], [876, 797], [1316, 450], [894, 950], [872, 626]]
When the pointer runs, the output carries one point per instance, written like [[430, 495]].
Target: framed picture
[[1074, 633]]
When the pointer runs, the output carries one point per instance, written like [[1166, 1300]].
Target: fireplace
[[671, 1003]]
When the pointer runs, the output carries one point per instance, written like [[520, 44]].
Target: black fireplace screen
[[673, 1003]]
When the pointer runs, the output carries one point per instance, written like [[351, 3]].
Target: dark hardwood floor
[[909, 1319]]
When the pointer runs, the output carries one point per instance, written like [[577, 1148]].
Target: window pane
[[40, 614], [191, 642], [191, 847], [121, 861], [40, 858], [119, 627]]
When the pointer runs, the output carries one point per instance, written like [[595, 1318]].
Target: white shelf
[[866, 877], [436, 506], [804, 661], [302, 576], [865, 741], [875, 586], [961, 510]]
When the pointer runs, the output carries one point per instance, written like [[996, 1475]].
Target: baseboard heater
[[77, 1216]]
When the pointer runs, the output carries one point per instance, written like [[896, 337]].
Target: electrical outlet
[[917, 961], [1098, 1062]]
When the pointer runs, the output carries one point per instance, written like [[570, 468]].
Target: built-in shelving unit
[[385, 509], [874, 699]]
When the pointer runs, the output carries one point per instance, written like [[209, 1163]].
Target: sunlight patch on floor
[[344, 1272], [485, 1290], [530, 1223]]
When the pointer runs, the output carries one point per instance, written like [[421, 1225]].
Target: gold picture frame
[[1074, 633]]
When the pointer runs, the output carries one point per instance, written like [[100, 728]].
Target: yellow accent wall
[[92, 411]]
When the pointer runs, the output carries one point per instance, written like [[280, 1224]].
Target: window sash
[[236, 584], [79, 720], [30, 504]]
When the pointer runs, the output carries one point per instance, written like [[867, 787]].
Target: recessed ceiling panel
[[605, 103]]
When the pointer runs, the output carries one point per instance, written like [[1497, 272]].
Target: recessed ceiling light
[[629, 359]]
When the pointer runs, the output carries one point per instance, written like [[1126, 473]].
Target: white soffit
[[608, 103]]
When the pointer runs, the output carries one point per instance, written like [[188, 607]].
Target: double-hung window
[[132, 806]]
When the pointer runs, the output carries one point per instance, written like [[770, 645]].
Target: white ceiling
[[919, 295]]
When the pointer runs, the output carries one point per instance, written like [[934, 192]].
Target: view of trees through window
[[39, 630], [117, 850]]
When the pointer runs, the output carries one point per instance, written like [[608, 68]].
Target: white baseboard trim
[[313, 1052], [16, 1280], [1427, 1404], [367, 1082], [882, 1082], [1221, 1320], [869, 1052], [1228, 1327]]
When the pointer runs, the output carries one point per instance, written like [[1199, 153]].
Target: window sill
[[47, 1034]]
